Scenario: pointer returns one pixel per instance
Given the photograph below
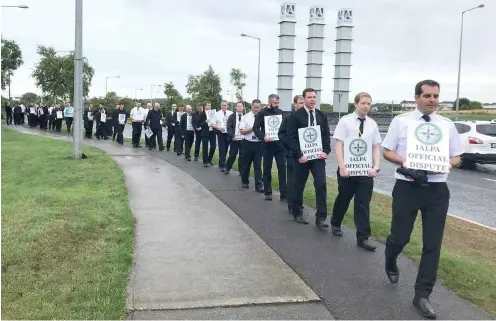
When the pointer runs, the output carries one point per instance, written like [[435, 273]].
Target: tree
[[30, 99], [172, 95], [55, 74], [237, 79], [466, 104], [11, 61], [205, 88]]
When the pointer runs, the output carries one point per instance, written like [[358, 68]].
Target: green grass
[[67, 232], [471, 117], [468, 259]]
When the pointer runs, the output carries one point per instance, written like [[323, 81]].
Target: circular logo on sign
[[428, 133], [273, 121], [310, 135], [358, 147]]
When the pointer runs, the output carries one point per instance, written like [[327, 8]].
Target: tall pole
[[258, 78], [77, 135], [106, 85], [457, 102]]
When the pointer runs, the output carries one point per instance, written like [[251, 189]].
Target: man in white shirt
[[221, 127], [145, 115], [234, 137], [356, 125], [252, 149], [208, 135], [409, 196], [137, 118], [69, 116]]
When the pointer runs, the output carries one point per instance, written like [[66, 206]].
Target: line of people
[[47, 118]]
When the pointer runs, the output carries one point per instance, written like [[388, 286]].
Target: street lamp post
[[136, 93], [460, 62], [21, 6], [77, 135], [258, 78], [106, 82], [151, 92]]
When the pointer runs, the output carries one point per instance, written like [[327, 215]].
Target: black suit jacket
[[232, 120], [202, 123], [283, 134], [299, 119], [184, 124]]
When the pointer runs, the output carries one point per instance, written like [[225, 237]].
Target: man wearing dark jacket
[[309, 116], [178, 138], [120, 122], [271, 146], [153, 121], [171, 129], [234, 138], [298, 102], [8, 114], [195, 120], [115, 120], [206, 119], [188, 131], [88, 117]]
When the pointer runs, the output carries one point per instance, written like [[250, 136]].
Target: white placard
[[69, 112], [210, 116], [32, 110], [237, 132], [122, 119], [189, 124], [179, 114], [427, 146], [59, 114], [90, 116], [310, 141], [41, 111], [272, 125], [357, 155], [148, 132], [103, 117]]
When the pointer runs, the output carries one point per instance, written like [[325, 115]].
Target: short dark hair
[[295, 98], [360, 96], [224, 101], [240, 102], [273, 96], [308, 90], [427, 82], [256, 101]]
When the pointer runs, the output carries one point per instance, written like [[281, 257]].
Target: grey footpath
[[193, 252], [350, 282]]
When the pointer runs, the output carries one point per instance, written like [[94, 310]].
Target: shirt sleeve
[[391, 140], [455, 143], [340, 131], [376, 139]]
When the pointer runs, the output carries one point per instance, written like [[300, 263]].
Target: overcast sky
[[396, 43]]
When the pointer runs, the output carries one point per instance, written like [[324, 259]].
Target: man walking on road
[[252, 149], [153, 122], [432, 198], [137, 119]]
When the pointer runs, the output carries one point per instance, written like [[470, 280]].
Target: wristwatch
[[377, 170]]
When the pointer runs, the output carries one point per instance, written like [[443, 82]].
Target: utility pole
[[77, 135]]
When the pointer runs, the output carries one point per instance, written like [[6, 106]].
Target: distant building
[[408, 105], [489, 106], [446, 105]]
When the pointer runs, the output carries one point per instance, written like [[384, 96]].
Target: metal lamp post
[[136, 93], [151, 92], [460, 62], [258, 78], [21, 6], [77, 135], [106, 82]]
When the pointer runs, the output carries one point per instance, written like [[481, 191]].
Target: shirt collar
[[418, 114], [355, 115]]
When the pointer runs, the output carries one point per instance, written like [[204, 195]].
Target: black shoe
[[205, 164], [367, 244], [178, 154], [149, 148], [168, 149], [283, 198], [424, 307], [188, 159], [245, 186], [300, 219], [320, 223], [290, 209], [226, 172], [161, 149], [392, 271], [196, 158], [268, 197], [259, 190], [336, 230], [222, 169], [211, 163]]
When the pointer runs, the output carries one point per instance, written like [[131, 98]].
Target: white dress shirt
[[221, 119], [137, 115], [349, 125], [396, 137], [247, 122], [314, 117]]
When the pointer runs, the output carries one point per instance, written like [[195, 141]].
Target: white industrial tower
[[315, 51], [286, 56], [342, 75]]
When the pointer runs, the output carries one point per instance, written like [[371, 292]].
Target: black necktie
[[224, 112], [239, 117], [360, 129], [427, 118], [311, 118]]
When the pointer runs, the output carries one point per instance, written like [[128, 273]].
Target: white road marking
[[488, 179], [473, 222]]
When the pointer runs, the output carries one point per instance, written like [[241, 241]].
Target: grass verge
[[468, 258], [67, 232]]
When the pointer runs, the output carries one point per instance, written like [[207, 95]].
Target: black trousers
[[234, 148], [116, 130], [223, 147], [197, 143], [51, 122], [119, 129], [178, 141], [89, 129], [31, 120], [137, 128], [68, 123], [101, 133], [43, 122], [301, 171], [270, 151], [252, 154], [170, 134], [147, 140], [23, 119], [433, 202], [361, 188], [156, 138], [290, 181], [212, 139], [189, 136], [17, 119], [8, 118], [58, 125]]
